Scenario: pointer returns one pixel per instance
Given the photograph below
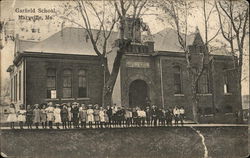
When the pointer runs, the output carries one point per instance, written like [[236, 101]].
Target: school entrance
[[138, 92]]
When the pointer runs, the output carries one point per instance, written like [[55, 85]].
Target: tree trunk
[[194, 103], [111, 79]]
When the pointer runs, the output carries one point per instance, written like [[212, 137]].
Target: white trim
[[179, 95], [67, 98], [205, 94], [82, 98], [49, 99]]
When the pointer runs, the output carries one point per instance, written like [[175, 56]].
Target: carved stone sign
[[137, 64]]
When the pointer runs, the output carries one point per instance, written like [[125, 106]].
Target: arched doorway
[[138, 93]]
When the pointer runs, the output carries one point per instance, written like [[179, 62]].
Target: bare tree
[[117, 13], [178, 13], [236, 13]]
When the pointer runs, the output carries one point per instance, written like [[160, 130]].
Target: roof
[[25, 44], [167, 40], [70, 41]]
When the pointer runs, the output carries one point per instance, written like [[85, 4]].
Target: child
[[37, 115], [12, 116], [96, 116], [64, 116], [69, 115], [90, 116], [57, 115], [21, 116], [83, 116], [43, 116], [102, 116], [29, 116], [75, 112], [50, 114]]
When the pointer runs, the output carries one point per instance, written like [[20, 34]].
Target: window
[[67, 84], [177, 80], [51, 83], [227, 87], [203, 85], [82, 84], [19, 84]]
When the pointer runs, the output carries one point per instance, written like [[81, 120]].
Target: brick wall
[[36, 78]]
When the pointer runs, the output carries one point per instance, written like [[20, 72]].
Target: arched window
[[51, 83], [67, 83], [177, 80], [82, 84]]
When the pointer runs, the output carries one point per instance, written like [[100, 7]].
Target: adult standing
[[182, 113]]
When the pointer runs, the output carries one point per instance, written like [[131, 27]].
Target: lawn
[[125, 143]]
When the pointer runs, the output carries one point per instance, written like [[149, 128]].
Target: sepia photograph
[[124, 79]]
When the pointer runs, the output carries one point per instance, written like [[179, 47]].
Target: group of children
[[82, 116]]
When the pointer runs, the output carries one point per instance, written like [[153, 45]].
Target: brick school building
[[64, 68]]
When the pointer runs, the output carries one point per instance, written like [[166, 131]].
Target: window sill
[[229, 113], [179, 95], [51, 99], [82, 98], [228, 94], [68, 99], [205, 94]]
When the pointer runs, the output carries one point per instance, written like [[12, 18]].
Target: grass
[[125, 143]]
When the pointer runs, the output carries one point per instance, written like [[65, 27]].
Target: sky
[[9, 10]]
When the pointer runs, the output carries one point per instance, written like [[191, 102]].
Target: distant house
[[65, 68]]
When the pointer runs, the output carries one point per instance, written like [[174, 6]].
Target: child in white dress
[[12, 118], [21, 116]]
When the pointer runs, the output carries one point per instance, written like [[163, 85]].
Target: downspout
[[162, 91], [24, 83]]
